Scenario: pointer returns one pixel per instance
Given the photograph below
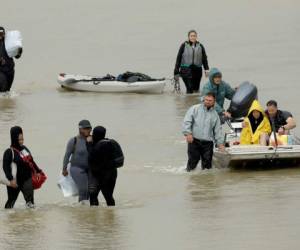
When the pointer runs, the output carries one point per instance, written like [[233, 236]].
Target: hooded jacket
[[222, 91], [100, 151], [203, 124], [247, 135], [24, 171]]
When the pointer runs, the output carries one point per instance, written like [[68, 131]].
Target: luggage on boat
[[282, 140], [242, 100], [134, 77], [13, 42]]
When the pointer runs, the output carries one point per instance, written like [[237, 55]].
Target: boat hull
[[152, 87], [257, 156]]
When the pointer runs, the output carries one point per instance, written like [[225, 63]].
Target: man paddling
[[202, 127]]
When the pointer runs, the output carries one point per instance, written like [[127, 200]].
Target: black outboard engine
[[242, 100]]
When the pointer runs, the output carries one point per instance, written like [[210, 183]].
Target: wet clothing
[[251, 134], [222, 90], [27, 190], [80, 177], [24, 171], [192, 84], [203, 124], [77, 155], [6, 81], [280, 118], [200, 150], [106, 184], [190, 60], [7, 69], [191, 54], [103, 174]]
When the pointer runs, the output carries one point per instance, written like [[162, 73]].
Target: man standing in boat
[[283, 120], [201, 128]]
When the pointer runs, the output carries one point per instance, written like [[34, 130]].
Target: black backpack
[[113, 159], [118, 156]]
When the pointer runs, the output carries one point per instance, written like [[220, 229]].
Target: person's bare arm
[[291, 123]]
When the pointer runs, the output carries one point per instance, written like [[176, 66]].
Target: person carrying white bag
[[10, 47], [67, 185]]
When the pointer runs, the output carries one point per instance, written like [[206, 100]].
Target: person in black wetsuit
[[102, 174], [18, 154], [191, 58], [7, 65]]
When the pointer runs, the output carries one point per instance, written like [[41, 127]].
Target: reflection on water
[[8, 107], [57, 227], [20, 228], [183, 102]]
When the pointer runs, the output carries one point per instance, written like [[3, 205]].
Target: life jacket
[[192, 55]]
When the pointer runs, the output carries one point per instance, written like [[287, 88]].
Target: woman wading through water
[[191, 58]]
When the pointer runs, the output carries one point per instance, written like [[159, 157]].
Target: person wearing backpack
[[105, 156], [19, 155], [77, 155]]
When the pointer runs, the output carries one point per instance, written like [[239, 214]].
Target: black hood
[[99, 133], [14, 136]]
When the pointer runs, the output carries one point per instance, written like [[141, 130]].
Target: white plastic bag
[[13, 42], [67, 186]]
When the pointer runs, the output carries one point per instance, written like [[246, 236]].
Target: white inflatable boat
[[94, 84]]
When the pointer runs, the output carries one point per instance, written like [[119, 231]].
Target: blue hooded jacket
[[222, 90]]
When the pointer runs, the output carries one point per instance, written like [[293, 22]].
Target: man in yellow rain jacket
[[256, 126]]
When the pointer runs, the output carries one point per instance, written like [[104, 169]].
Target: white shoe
[[30, 205]]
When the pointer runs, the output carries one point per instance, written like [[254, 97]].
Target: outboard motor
[[242, 100]]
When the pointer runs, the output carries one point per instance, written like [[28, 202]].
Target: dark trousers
[[6, 81], [192, 80], [197, 150], [104, 182], [27, 190]]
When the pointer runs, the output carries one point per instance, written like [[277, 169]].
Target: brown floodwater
[[159, 205]]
